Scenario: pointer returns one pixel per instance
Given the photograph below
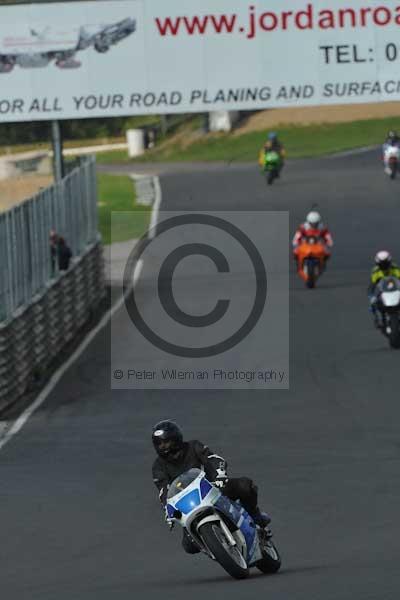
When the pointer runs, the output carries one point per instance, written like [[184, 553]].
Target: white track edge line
[[55, 378], [352, 152], [156, 208]]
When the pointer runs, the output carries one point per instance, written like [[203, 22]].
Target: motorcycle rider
[[273, 144], [384, 267], [175, 456], [312, 225], [392, 139]]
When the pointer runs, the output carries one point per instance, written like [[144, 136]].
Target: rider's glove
[[372, 300], [222, 479], [220, 483]]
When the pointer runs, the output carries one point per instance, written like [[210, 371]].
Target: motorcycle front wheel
[[229, 557], [311, 277], [271, 177]]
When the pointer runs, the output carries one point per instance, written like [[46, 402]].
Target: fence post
[[58, 160]]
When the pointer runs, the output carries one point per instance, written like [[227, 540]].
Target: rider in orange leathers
[[312, 226]]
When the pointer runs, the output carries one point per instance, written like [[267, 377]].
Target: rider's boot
[[189, 545], [376, 317], [325, 261], [261, 518]]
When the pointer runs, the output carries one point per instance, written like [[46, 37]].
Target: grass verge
[[117, 193], [300, 141]]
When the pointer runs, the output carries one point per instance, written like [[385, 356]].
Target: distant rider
[[384, 267], [313, 225], [176, 456], [273, 144], [392, 139]]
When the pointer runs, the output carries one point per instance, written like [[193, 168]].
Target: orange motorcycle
[[311, 255]]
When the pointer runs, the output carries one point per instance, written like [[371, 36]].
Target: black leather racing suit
[[195, 454]]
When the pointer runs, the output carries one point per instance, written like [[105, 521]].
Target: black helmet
[[167, 439]]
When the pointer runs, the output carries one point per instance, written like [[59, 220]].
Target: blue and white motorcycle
[[220, 527]]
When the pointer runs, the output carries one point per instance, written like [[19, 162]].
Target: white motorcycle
[[221, 528], [388, 303], [391, 156]]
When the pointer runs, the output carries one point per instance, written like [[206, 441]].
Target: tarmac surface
[[79, 514]]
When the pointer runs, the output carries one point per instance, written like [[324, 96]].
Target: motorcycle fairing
[[190, 501], [391, 299], [243, 521]]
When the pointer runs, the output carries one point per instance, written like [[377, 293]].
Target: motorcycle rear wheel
[[393, 169], [228, 556], [271, 561], [394, 335]]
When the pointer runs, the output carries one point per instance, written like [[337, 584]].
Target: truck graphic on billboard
[[39, 47]]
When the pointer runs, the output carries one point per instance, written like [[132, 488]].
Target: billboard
[[127, 57]]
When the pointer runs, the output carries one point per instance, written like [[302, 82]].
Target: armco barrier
[[38, 332]]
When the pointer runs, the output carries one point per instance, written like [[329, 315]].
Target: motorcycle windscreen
[[182, 482]]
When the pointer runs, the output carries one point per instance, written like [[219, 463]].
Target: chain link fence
[[26, 265]]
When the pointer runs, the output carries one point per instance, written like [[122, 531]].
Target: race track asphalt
[[79, 514]]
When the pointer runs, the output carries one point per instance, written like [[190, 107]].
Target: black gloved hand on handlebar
[[221, 480]]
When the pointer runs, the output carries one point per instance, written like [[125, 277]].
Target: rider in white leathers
[[392, 141]]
